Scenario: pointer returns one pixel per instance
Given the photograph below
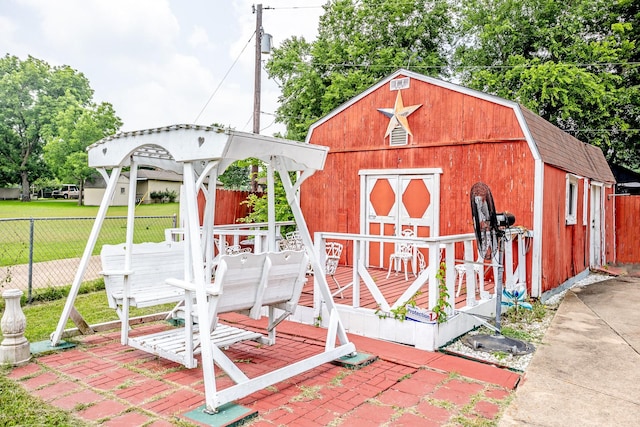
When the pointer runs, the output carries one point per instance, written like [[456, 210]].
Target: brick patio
[[109, 384]]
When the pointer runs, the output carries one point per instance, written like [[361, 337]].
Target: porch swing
[[249, 283]]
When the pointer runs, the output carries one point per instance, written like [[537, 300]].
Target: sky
[[161, 62]]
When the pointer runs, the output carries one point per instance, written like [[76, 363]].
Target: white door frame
[[399, 179], [596, 224]]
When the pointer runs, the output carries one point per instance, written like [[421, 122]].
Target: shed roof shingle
[[562, 150]]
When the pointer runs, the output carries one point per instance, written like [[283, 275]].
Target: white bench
[[151, 264], [243, 283]]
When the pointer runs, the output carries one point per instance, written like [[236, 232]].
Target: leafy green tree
[[573, 63], [69, 134], [236, 176], [359, 42], [258, 204], [32, 96]]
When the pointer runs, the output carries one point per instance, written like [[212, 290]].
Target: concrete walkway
[[587, 371]]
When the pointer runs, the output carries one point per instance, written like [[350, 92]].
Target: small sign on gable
[[398, 84]]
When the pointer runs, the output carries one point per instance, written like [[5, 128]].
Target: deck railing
[[441, 255]]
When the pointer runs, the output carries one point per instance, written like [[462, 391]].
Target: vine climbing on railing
[[440, 309]]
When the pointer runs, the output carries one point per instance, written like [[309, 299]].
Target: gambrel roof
[[554, 146], [562, 150]]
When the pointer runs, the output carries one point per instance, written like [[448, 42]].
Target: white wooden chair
[[244, 283], [143, 284], [402, 255]]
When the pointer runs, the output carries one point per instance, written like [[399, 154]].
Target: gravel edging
[[535, 329]]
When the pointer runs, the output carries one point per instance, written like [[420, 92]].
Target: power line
[[224, 78]]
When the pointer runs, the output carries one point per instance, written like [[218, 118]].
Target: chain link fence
[[39, 253]]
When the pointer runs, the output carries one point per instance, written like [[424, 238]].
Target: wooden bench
[[151, 264], [243, 283]]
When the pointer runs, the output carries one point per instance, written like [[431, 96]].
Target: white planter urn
[[14, 348]]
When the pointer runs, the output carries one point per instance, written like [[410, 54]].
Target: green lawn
[[61, 228], [50, 208]]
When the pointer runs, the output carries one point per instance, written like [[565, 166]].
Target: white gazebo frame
[[201, 154]]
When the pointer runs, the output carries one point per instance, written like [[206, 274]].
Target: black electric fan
[[489, 228]]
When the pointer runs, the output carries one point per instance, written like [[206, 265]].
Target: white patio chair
[[461, 271], [294, 241], [236, 249], [333, 253], [403, 254]]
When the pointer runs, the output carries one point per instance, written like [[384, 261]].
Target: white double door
[[395, 200]]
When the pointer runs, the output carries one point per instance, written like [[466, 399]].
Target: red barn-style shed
[[405, 153]]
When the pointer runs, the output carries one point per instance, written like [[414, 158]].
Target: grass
[[61, 228], [20, 408], [67, 240], [42, 317], [49, 208]]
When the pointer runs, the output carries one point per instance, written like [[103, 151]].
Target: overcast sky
[[159, 61]]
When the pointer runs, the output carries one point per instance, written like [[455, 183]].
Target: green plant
[[500, 355], [400, 312], [164, 196], [537, 313], [514, 333], [21, 408], [440, 309], [308, 393]]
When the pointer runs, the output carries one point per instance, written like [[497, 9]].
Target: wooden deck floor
[[391, 288]]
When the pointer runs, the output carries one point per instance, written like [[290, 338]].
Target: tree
[[359, 42], [236, 176], [69, 134], [573, 63], [32, 95]]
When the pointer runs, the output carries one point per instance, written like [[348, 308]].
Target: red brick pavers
[[108, 384]]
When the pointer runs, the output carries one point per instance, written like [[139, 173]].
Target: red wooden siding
[[470, 139], [564, 247], [446, 117], [609, 224], [229, 206], [627, 214]]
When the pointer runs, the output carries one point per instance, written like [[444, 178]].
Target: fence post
[[30, 279], [175, 221]]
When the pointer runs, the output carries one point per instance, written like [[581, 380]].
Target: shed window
[[572, 200]]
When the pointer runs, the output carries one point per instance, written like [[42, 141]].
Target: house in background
[[405, 153], [149, 181], [627, 181]]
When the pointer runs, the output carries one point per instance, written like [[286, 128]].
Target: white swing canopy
[[201, 154]]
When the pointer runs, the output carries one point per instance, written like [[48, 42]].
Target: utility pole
[[257, 9]]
